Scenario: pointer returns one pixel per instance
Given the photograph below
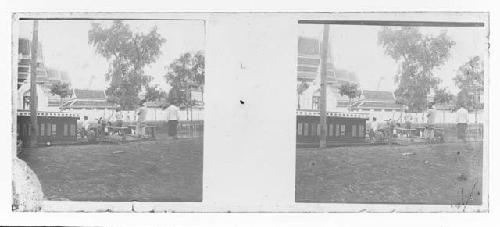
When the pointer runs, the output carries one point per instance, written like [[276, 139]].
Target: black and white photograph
[[108, 110], [391, 112]]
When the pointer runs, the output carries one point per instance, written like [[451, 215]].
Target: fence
[[185, 129]]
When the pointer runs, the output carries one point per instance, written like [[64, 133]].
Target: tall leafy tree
[[351, 90], [470, 81], [185, 73], [61, 89], [303, 86], [128, 54], [417, 55], [442, 96]]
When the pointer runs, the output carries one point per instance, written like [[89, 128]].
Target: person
[[462, 120], [85, 126], [141, 119], [373, 129], [408, 120], [119, 118], [172, 120], [431, 119]]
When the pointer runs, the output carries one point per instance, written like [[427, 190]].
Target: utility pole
[[324, 70], [33, 93]]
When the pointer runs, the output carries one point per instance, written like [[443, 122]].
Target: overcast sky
[[355, 49], [66, 48]]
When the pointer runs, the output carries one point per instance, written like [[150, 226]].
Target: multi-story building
[[308, 74]]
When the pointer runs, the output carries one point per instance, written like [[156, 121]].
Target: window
[[315, 103], [299, 129], [306, 129], [65, 131], [313, 129], [353, 132], [47, 132], [342, 130], [42, 129], [337, 130], [361, 131], [318, 129], [72, 129], [54, 129], [330, 130]]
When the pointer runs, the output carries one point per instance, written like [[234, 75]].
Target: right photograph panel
[[391, 112]]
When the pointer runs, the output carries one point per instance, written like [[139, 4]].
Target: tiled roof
[[308, 46], [379, 105], [24, 46], [378, 95], [89, 104], [89, 94]]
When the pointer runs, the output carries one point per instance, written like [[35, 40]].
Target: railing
[[190, 129]]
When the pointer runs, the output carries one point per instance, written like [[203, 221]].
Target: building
[[379, 104], [46, 100], [44, 75], [308, 74], [90, 104]]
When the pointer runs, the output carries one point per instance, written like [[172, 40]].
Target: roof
[[24, 46], [47, 114], [379, 105], [378, 96], [308, 46], [89, 94], [89, 104], [331, 114]]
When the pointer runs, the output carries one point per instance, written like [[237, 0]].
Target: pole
[[324, 70], [33, 93]]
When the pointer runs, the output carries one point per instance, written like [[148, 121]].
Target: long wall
[[153, 114]]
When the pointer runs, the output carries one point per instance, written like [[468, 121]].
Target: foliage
[[128, 54], [418, 56], [470, 81], [302, 87], [61, 89], [351, 90], [185, 73], [443, 96], [153, 93]]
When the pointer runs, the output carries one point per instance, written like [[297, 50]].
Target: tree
[[128, 54], [351, 90], [442, 96], [185, 73], [470, 81], [303, 86], [417, 56], [61, 89]]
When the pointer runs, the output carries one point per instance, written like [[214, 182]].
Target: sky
[[355, 49], [65, 47]]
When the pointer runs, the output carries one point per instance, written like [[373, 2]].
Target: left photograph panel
[[107, 110]]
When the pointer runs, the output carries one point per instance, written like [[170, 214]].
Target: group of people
[[103, 125], [462, 120]]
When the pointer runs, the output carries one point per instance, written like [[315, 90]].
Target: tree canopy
[[184, 73], [61, 89], [470, 81], [418, 55], [351, 90], [128, 54]]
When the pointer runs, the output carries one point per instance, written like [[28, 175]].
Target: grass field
[[448, 174], [163, 170]]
